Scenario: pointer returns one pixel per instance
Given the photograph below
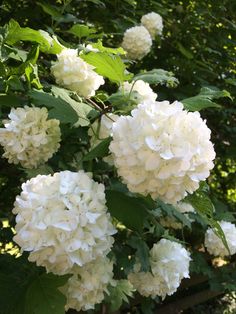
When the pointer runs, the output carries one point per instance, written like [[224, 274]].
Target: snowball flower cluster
[[75, 74], [153, 23], [143, 89], [215, 245], [169, 265], [162, 150], [137, 42], [62, 220], [29, 138], [88, 284]]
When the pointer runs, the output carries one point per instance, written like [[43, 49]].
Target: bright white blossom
[[153, 23], [215, 245], [145, 93], [29, 138], [62, 220], [162, 150], [88, 284], [137, 42], [169, 265], [75, 74]]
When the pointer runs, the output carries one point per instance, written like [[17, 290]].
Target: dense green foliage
[[194, 62]]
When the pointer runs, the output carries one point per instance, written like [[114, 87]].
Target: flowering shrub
[[109, 196]]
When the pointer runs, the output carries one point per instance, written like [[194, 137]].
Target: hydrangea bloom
[[62, 220], [169, 265], [137, 42], [215, 245], [153, 23], [28, 137], [75, 74], [162, 150], [145, 93], [88, 284]]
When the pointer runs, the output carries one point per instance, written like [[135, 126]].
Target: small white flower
[[162, 150], [62, 220], [137, 42], [145, 93], [169, 265], [153, 23], [215, 245], [88, 284], [29, 138], [75, 74]]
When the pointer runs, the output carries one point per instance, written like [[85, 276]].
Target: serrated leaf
[[119, 294], [58, 108], [171, 211], [131, 211], [142, 252], [204, 99], [101, 48], [80, 30], [82, 109], [11, 100], [110, 66], [17, 33], [43, 296], [204, 207], [49, 9], [100, 150], [158, 76]]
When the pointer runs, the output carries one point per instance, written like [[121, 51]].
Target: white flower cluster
[[88, 284], [169, 265], [214, 244], [62, 220], [162, 150], [137, 42], [153, 23], [143, 89], [75, 74], [28, 137]]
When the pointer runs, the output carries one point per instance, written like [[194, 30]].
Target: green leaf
[[80, 30], [119, 294], [83, 110], [49, 9], [131, 211], [158, 76], [142, 252], [101, 48], [101, 150], [17, 33], [185, 52], [110, 66], [205, 208], [31, 74], [172, 212], [58, 108], [43, 296], [11, 100], [204, 99]]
